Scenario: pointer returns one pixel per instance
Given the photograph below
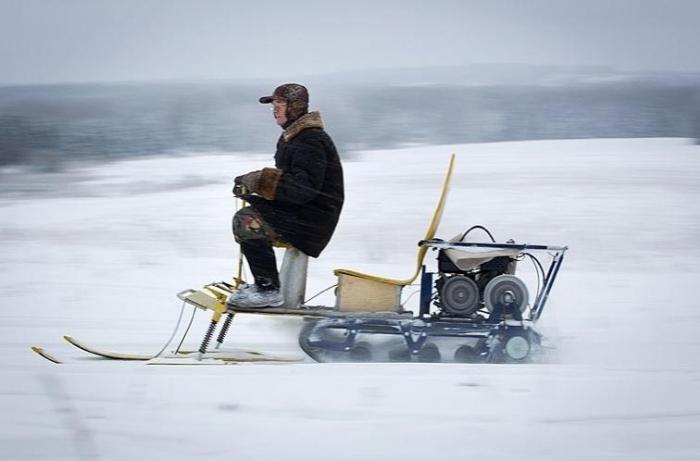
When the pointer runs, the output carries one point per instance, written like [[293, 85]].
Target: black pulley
[[506, 290], [459, 295]]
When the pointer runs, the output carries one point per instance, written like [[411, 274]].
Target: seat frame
[[359, 291]]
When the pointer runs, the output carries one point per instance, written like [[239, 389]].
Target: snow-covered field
[[100, 252]]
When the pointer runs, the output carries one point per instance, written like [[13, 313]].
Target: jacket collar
[[310, 120]]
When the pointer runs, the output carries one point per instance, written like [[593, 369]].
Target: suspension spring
[[207, 336], [224, 330]]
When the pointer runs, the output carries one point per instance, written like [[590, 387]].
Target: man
[[297, 202]]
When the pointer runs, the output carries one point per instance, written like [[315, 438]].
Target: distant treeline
[[47, 125]]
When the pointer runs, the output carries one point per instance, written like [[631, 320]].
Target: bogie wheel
[[400, 354], [429, 353], [516, 348], [360, 352], [467, 354]]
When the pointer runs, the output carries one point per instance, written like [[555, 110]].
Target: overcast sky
[[93, 40]]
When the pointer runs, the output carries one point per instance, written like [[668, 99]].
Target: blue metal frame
[[418, 330], [542, 296], [436, 243], [426, 292], [415, 333], [537, 309]]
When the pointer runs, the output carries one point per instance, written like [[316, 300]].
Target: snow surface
[[99, 253]]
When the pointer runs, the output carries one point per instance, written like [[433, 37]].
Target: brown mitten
[[249, 180]]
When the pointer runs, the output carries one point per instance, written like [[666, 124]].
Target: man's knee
[[248, 224]]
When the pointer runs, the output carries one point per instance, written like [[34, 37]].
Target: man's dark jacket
[[302, 197]]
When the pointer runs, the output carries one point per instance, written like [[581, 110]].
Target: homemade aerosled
[[472, 307]]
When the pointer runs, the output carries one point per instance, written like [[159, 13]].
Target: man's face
[[279, 111]]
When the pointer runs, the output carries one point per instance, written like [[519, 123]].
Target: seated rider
[[297, 202]]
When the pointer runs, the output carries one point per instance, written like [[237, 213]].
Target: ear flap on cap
[[296, 109]]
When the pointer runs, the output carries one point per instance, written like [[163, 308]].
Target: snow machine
[[472, 308]]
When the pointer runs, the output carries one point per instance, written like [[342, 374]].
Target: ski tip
[[105, 354], [40, 351]]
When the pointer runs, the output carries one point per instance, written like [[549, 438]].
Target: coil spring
[[207, 337], [224, 328]]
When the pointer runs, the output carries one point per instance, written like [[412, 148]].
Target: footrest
[[203, 299]]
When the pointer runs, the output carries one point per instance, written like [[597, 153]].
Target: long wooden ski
[[221, 358], [184, 357]]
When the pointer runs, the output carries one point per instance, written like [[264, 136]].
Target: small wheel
[[400, 354], [360, 352], [467, 354], [517, 348], [429, 353]]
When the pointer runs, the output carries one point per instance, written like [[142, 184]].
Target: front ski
[[43, 353], [221, 358], [106, 354], [184, 357]]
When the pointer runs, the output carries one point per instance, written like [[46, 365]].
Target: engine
[[489, 284]]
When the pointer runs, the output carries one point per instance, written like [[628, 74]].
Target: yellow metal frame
[[212, 296]]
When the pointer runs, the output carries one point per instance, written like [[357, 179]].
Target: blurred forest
[[45, 126]]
